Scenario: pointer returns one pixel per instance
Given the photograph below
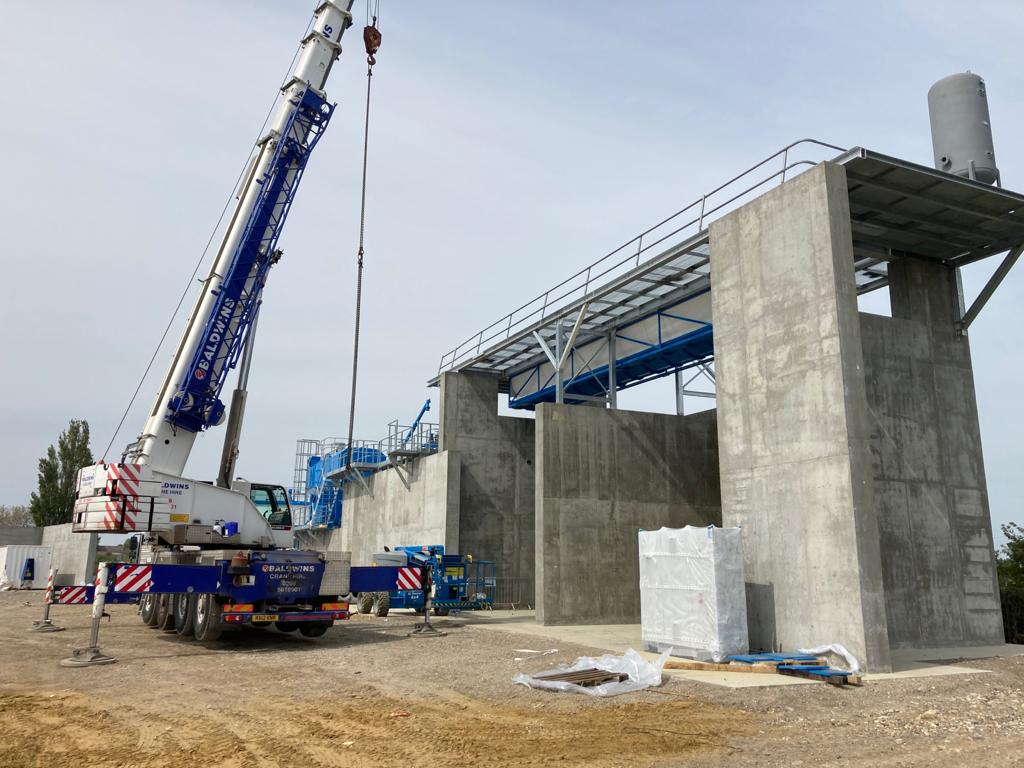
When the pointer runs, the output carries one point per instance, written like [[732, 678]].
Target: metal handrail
[[509, 325]]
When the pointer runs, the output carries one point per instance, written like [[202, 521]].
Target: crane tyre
[[439, 611], [165, 612], [287, 626], [184, 615], [382, 604], [314, 628], [206, 621], [366, 602], [147, 609]]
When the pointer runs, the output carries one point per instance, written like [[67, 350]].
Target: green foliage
[[53, 502], [17, 516], [1010, 565]]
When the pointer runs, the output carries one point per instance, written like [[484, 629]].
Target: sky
[[511, 144]]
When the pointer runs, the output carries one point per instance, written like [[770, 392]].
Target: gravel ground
[[367, 695]]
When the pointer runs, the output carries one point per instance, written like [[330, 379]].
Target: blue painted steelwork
[[658, 359], [197, 405], [416, 421], [324, 493]]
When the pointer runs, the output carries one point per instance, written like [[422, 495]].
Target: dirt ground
[[367, 695]]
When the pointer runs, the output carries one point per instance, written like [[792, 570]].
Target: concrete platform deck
[[617, 638]]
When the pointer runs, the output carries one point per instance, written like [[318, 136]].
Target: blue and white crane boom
[[188, 400], [145, 491]]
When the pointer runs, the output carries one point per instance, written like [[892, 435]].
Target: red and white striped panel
[[126, 477], [71, 596], [113, 516], [409, 578], [133, 578]]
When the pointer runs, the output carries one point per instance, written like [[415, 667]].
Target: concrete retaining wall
[[413, 504], [601, 476], [938, 562]]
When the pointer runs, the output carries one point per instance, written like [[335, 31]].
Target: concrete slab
[[618, 638]]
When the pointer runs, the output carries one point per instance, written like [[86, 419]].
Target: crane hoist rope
[[372, 40]]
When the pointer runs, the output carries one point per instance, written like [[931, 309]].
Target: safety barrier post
[[425, 629], [44, 624], [91, 655]]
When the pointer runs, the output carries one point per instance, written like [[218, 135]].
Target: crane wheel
[[147, 609], [314, 628], [366, 602], [287, 626], [165, 612], [438, 611], [206, 621], [184, 615], [382, 604]]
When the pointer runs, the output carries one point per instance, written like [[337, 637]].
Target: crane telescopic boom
[[189, 397]]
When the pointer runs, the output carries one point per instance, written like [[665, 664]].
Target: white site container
[[692, 596], [12, 563]]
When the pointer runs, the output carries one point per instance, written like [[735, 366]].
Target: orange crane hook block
[[371, 38]]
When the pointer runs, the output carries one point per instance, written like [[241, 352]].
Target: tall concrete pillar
[[793, 427], [496, 485]]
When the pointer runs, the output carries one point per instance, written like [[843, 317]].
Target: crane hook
[[371, 38]]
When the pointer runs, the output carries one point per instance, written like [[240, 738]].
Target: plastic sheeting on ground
[[642, 674], [692, 595], [838, 649]]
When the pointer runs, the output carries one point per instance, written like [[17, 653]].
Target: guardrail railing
[[689, 220]]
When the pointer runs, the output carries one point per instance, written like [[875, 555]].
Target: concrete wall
[[20, 535], [792, 418], [73, 554], [413, 504], [936, 539], [601, 476], [496, 492]]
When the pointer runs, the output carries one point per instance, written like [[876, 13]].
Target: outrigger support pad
[[45, 625], [86, 657], [425, 629], [91, 656]]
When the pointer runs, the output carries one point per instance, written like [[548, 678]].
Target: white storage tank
[[14, 558], [961, 128]]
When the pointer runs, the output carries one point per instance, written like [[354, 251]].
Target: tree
[[58, 470], [1010, 566], [17, 516]]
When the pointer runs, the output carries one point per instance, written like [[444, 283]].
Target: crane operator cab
[[272, 502]]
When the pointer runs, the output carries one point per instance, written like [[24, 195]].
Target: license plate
[[263, 617]]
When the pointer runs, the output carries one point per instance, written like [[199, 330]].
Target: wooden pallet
[[791, 665], [585, 677]]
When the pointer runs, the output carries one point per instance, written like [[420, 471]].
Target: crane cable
[[372, 40]]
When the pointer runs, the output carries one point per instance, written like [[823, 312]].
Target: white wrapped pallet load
[[692, 595]]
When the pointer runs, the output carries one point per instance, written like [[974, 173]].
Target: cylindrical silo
[[961, 130]]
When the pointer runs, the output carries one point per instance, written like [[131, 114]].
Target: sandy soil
[[366, 695]]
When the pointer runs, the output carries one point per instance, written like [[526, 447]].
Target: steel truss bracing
[[643, 310]]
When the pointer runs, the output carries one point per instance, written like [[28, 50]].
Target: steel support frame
[[683, 390], [990, 288]]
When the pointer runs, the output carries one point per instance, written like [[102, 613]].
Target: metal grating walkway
[[618, 308]]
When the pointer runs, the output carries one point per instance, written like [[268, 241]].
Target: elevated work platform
[[644, 311]]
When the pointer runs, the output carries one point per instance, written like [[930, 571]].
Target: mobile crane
[[218, 555]]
